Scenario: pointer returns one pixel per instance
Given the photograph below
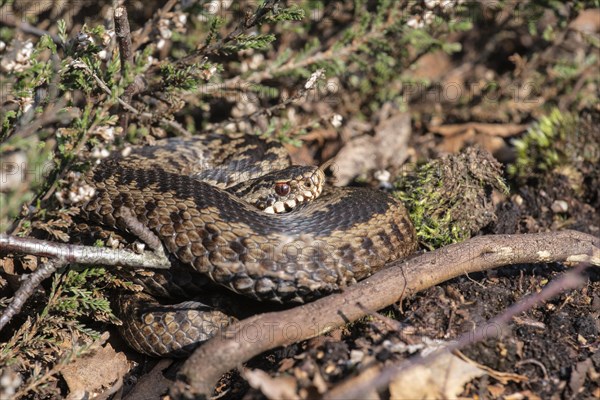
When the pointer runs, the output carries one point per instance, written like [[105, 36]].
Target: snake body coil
[[176, 189]]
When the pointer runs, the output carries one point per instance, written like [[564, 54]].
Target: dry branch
[[61, 254], [252, 336], [123, 35]]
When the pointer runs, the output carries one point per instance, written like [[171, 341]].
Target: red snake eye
[[282, 188]]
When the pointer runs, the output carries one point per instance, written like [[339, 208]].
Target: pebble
[[559, 206]]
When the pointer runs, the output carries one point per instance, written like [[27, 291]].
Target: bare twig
[[226, 351], [123, 35], [7, 19], [27, 288], [83, 254], [129, 107], [123, 38], [141, 231], [66, 253]]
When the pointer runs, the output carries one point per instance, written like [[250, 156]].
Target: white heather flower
[[415, 22], [107, 37], [336, 120], [313, 78], [2, 45], [164, 30], [179, 21], [447, 4], [24, 53], [208, 73], [83, 193], [26, 103], [106, 132], [431, 3], [428, 17]]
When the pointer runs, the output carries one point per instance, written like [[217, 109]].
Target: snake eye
[[307, 183], [282, 188]]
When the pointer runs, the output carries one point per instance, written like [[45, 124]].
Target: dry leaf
[[152, 385], [282, 388], [95, 372], [579, 374], [496, 391], [502, 377], [443, 378], [588, 21], [388, 148]]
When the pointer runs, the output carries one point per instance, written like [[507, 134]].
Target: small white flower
[[336, 120], [2, 45], [313, 79], [26, 103], [107, 37], [447, 4], [431, 4], [83, 193], [415, 22], [106, 132], [164, 30], [428, 17], [24, 53]]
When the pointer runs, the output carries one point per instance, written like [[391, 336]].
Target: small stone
[[356, 356], [559, 206]]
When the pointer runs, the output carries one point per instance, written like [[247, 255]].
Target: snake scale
[[187, 193]]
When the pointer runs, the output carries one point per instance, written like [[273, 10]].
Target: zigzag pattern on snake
[[178, 190]]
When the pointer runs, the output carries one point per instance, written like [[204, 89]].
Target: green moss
[[545, 146], [449, 199]]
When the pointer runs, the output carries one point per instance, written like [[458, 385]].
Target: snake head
[[282, 191]]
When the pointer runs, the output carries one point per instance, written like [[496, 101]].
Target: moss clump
[[449, 198], [562, 143], [543, 146]]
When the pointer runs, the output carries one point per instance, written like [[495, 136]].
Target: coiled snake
[[186, 192]]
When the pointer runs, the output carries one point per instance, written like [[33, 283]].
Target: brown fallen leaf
[[152, 385], [95, 372], [588, 21], [502, 377], [578, 375], [443, 378], [388, 148], [496, 391], [282, 388]]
